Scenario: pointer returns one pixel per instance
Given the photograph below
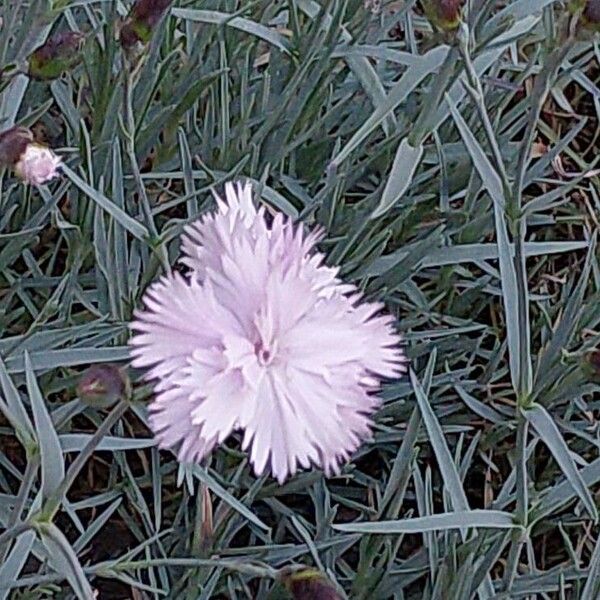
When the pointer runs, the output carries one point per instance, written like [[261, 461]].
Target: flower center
[[264, 354]]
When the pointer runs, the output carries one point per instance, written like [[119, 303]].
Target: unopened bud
[[103, 385], [444, 14], [59, 54], [141, 21], [308, 584]]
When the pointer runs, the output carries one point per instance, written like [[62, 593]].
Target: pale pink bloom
[[37, 165], [262, 337]]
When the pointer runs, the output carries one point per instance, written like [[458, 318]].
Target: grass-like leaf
[[53, 467], [455, 520], [548, 431], [440, 448], [403, 169], [64, 559], [14, 406], [134, 227], [409, 81], [493, 184], [246, 25]]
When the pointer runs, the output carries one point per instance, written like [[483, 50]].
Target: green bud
[[308, 584], [59, 54], [103, 385], [13, 142], [444, 15], [141, 21]]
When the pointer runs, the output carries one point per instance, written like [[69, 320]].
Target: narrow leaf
[[491, 181], [403, 169], [74, 442], [53, 469], [442, 453], [246, 25], [408, 82], [591, 591], [134, 227], [63, 559], [222, 493], [566, 326], [14, 403], [69, 357], [550, 435], [494, 519], [14, 563]]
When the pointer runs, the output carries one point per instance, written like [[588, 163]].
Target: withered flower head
[[444, 15], [591, 14], [591, 365], [141, 21], [60, 53], [13, 142]]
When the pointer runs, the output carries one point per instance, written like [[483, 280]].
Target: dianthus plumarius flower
[[262, 337]]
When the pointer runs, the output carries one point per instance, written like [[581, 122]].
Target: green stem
[[517, 222], [522, 507], [525, 381]]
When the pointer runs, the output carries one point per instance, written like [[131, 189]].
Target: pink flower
[[37, 164], [262, 337]]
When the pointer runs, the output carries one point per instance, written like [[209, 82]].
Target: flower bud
[[142, 19], [444, 15], [308, 584], [103, 385], [58, 54]]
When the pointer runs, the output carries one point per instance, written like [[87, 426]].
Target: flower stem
[[518, 227]]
